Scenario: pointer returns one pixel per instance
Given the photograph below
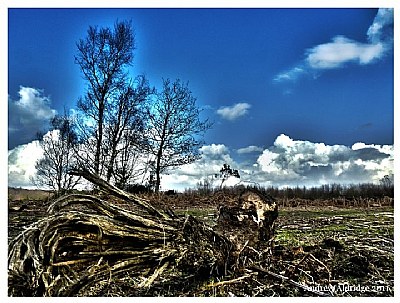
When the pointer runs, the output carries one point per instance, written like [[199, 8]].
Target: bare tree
[[58, 156], [126, 161], [103, 57], [130, 164], [174, 126], [226, 172], [124, 127]]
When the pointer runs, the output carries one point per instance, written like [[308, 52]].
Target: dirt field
[[335, 251], [317, 251]]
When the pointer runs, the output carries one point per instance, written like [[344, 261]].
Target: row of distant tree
[[331, 191], [122, 129], [326, 191]]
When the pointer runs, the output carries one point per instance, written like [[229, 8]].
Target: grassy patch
[[299, 227]]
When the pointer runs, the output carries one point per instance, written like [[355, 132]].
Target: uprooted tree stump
[[88, 246], [250, 222]]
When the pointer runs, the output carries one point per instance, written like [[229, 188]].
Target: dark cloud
[[368, 154], [27, 116]]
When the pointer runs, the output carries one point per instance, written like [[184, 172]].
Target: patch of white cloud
[[22, 160], [213, 150], [290, 75], [28, 115], [287, 162], [380, 29], [290, 162], [234, 112], [284, 141], [308, 163], [249, 149], [342, 50], [267, 162], [214, 156], [340, 167], [21, 164]]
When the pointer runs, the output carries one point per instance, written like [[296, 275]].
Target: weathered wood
[[85, 241], [251, 222], [119, 193]]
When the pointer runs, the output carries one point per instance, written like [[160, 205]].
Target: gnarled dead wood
[[119, 193], [250, 222], [87, 246]]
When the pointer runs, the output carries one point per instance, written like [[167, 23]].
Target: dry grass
[[21, 194]]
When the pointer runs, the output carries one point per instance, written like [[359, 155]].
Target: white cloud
[[21, 164], [287, 162], [213, 150], [380, 29], [187, 176], [308, 163], [233, 112], [249, 149], [290, 162], [267, 161], [290, 75], [341, 50], [386, 149], [28, 115], [284, 141]]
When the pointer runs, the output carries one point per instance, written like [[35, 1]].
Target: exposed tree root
[[88, 246]]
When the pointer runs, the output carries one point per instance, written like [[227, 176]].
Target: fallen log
[[88, 246]]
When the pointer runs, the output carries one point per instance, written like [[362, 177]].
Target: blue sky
[[273, 81]]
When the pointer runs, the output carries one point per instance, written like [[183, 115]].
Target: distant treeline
[[327, 191], [330, 191]]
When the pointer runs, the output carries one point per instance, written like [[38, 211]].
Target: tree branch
[[118, 192]]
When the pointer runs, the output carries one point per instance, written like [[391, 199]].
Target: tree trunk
[[158, 167], [99, 139], [110, 167], [158, 177], [161, 149]]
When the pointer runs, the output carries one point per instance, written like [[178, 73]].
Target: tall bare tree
[[103, 57], [174, 128], [58, 156]]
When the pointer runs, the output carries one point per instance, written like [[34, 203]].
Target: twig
[[307, 274], [147, 282], [233, 281], [369, 247], [245, 244], [286, 279], [322, 264], [70, 262]]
